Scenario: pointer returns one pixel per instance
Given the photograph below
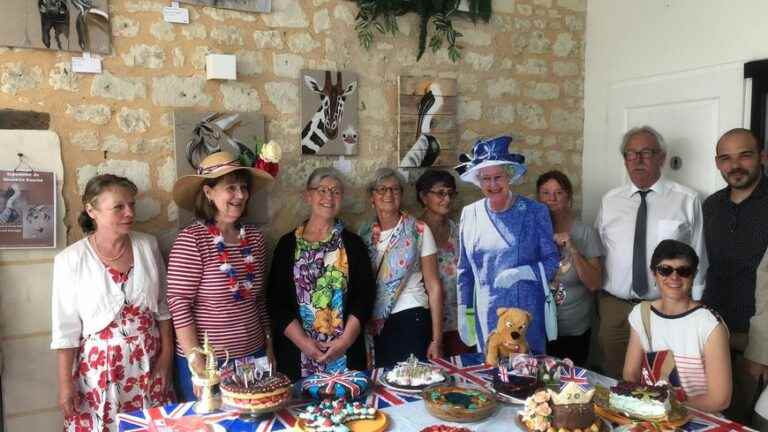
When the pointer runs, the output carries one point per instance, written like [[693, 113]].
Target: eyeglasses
[[682, 271], [631, 155], [383, 190], [322, 190], [444, 193]]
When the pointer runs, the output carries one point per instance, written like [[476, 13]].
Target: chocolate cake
[[573, 416], [516, 386]]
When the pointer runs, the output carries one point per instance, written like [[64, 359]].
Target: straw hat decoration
[[222, 163]]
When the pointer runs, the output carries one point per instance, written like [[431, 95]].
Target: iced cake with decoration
[[641, 401], [414, 374], [565, 408], [347, 384], [255, 391], [332, 415]]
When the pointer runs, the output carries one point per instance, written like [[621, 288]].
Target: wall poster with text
[[27, 209]]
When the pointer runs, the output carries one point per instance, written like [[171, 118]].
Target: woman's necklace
[[240, 290], [104, 256]]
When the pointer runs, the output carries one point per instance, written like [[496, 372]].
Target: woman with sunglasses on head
[[435, 191], [320, 290], [580, 272], [408, 311], [694, 335]]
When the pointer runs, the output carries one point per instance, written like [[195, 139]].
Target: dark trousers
[[575, 348], [406, 332]]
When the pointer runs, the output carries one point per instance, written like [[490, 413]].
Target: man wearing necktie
[[632, 220]]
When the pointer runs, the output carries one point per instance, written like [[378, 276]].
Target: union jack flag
[[574, 375], [148, 420], [703, 422], [382, 397], [475, 371]]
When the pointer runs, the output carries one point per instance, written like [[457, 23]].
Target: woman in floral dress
[[321, 288], [111, 326]]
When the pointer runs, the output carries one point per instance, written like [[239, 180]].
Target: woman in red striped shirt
[[216, 268]]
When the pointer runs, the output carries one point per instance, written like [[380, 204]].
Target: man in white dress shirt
[[632, 220]]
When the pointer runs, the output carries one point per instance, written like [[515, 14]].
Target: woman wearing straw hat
[[216, 268], [506, 251]]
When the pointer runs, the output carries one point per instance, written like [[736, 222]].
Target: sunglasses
[[682, 271]]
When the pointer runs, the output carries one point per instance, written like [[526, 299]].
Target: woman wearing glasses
[[320, 290], [506, 251], [408, 311], [694, 335], [435, 191]]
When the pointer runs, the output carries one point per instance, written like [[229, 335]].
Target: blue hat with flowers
[[490, 152]]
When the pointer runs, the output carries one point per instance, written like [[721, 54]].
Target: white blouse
[[85, 299]]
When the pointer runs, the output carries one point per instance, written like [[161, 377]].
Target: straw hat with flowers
[[214, 166]]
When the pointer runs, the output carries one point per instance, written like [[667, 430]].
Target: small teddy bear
[[509, 337]]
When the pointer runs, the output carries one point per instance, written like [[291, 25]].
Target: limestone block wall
[[522, 73]]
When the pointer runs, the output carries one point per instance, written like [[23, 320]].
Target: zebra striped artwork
[[329, 113]]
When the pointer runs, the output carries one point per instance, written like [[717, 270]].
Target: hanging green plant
[[381, 16]]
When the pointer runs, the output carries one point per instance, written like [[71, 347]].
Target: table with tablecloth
[[406, 411]]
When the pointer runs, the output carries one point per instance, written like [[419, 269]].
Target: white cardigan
[[85, 300]]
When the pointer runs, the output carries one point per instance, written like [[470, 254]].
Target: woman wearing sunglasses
[[435, 191], [680, 336]]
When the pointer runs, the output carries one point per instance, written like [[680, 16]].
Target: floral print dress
[[447, 260], [321, 274], [112, 371]]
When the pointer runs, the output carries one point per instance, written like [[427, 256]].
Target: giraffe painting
[[330, 125]]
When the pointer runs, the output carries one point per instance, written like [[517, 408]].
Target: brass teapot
[[210, 398]]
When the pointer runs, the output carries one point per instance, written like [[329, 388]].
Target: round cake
[[348, 384], [566, 410], [266, 392], [458, 404], [516, 386], [644, 402]]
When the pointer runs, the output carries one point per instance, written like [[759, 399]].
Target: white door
[[691, 110]]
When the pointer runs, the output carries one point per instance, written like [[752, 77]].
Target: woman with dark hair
[[435, 190], [111, 327], [408, 311], [693, 334], [580, 272], [216, 268], [321, 287]]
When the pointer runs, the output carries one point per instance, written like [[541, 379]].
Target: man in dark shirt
[[736, 236]]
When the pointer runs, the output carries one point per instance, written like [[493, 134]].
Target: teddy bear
[[509, 337]]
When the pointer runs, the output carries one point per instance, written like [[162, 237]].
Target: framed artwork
[[329, 113], [427, 130], [65, 25], [27, 209], [198, 134], [242, 5]]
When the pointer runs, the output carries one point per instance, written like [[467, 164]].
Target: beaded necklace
[[240, 290]]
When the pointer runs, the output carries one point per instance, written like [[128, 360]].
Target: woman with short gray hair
[[320, 291], [407, 314]]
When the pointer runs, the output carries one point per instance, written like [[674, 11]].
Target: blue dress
[[504, 258]]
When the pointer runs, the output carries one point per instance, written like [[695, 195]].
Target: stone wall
[[522, 73]]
